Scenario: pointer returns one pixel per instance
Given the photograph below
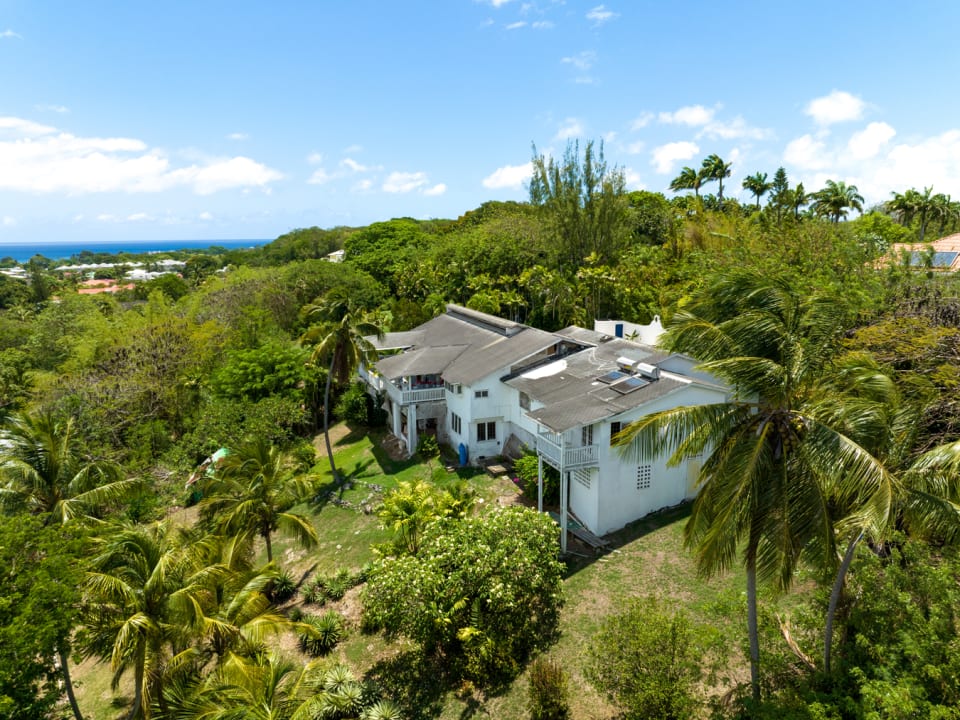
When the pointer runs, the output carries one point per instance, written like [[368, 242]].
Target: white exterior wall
[[584, 501], [460, 405], [618, 499], [646, 334]]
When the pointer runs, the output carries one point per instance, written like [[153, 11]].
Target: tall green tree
[[339, 340], [253, 491], [836, 199], [758, 185], [688, 179], [40, 571], [140, 608], [714, 168], [584, 203], [42, 470], [772, 464]]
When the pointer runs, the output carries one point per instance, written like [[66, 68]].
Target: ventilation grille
[[644, 477]]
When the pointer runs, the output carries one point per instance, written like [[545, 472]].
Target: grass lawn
[[646, 559]]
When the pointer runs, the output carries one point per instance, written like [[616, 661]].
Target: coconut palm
[[758, 185], [42, 470], [714, 168], [836, 199], [340, 340], [688, 179], [140, 609], [772, 464], [253, 491]]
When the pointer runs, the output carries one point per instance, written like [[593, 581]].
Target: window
[[644, 477], [481, 393], [586, 435], [615, 427], [486, 431], [453, 387], [524, 401], [455, 423]]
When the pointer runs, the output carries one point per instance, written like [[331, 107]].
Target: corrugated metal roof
[[424, 361], [502, 353], [572, 395]]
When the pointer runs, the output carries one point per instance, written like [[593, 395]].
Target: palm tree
[[798, 197], [688, 179], [714, 168], [835, 199], [253, 491], [772, 463], [42, 470], [340, 341], [758, 185], [139, 607]]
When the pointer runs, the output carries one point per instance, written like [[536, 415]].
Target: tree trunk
[[266, 538], [835, 594], [67, 682], [752, 623], [137, 710], [326, 419]]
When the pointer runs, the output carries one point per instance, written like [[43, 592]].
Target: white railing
[[373, 380], [548, 445], [422, 395]]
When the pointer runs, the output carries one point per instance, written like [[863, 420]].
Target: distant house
[[488, 386], [96, 287], [942, 254]]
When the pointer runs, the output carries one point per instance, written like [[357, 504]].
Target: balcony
[[404, 391], [421, 395], [548, 445]]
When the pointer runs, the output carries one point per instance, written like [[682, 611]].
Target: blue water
[[59, 251]]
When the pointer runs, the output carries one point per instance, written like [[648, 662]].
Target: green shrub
[[320, 634], [647, 660], [354, 405], [548, 695], [525, 468], [282, 587], [315, 594], [428, 447], [338, 585]]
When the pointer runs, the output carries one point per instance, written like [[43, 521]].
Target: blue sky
[[168, 120]]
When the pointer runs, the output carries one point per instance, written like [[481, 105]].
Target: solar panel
[[612, 377], [629, 385], [942, 259]]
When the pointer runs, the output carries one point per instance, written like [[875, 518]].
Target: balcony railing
[[548, 445], [422, 395], [397, 394]]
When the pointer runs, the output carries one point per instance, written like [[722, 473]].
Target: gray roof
[[462, 345], [573, 396]]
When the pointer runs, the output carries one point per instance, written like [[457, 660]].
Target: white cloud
[[498, 3], [19, 126], [106, 217], [404, 182], [41, 159], [9, 221], [609, 137], [632, 178], [570, 129], [733, 130], [599, 15], [319, 177], [8, 33], [635, 148], [934, 161], [807, 153], [438, 189], [692, 115], [61, 109], [582, 61], [508, 176], [238, 136], [206, 216], [868, 142], [138, 217], [353, 149], [542, 25], [363, 185], [314, 158], [642, 121], [516, 25], [836, 107], [667, 156], [353, 165]]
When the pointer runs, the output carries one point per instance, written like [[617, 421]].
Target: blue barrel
[[463, 454]]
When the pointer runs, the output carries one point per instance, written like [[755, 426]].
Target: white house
[[483, 383]]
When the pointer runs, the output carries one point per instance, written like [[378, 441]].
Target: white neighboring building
[[480, 383]]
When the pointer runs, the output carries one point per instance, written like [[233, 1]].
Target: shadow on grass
[[584, 556], [389, 466], [415, 682], [355, 435]]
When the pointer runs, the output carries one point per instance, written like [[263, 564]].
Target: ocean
[[22, 252]]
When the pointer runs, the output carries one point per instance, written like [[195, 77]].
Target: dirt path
[[337, 433]]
